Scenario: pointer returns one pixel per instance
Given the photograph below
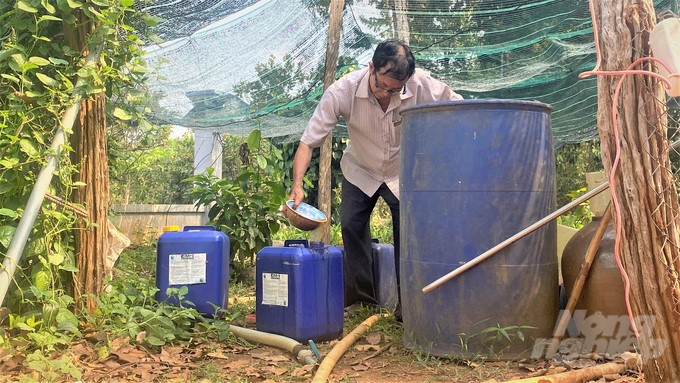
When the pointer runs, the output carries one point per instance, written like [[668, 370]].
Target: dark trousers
[[355, 215]]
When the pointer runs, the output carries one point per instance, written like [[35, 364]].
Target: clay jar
[[600, 319]]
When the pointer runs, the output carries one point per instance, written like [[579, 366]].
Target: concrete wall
[[142, 223], [598, 204], [564, 234]]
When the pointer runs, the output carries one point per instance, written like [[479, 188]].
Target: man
[[370, 101]]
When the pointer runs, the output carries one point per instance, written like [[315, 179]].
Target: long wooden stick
[[478, 259], [575, 294]]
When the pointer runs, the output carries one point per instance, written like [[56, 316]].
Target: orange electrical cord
[[612, 181]]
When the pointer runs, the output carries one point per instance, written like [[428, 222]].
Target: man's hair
[[399, 55]]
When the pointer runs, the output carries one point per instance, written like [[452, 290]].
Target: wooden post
[[402, 30], [323, 232], [591, 253]]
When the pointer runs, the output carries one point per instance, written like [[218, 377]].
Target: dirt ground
[[378, 356]]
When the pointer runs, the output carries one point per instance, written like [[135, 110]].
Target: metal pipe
[[18, 243]]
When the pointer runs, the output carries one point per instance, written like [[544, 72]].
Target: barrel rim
[[467, 102]]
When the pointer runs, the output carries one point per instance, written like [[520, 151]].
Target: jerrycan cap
[[171, 228]]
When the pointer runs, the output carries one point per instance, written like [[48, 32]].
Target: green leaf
[[70, 19], [101, 3], [48, 7], [47, 80], [6, 234], [74, 4], [40, 61], [254, 140], [69, 268], [55, 258], [154, 341], [10, 77], [95, 11], [17, 61], [33, 94], [121, 114], [5, 53], [261, 161], [41, 38], [504, 333], [25, 327], [7, 212], [39, 138], [29, 148], [29, 66], [42, 279], [48, 18], [127, 3], [5, 187], [103, 353], [146, 313], [66, 320], [25, 7], [58, 61], [166, 322]]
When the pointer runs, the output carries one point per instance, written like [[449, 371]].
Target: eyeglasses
[[388, 90]]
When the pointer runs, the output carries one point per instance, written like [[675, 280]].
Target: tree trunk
[[90, 155], [642, 183]]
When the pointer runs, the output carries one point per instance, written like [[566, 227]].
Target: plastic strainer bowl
[[306, 217]]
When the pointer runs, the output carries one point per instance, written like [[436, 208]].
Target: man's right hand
[[296, 194]]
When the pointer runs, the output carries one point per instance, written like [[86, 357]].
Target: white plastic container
[[665, 42]]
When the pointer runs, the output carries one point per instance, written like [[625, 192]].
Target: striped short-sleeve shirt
[[372, 154]]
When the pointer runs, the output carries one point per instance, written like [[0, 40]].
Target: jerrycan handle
[[199, 228], [318, 247], [296, 243]]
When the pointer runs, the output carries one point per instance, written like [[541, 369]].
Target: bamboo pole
[[575, 294]]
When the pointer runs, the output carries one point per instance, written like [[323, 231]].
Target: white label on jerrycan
[[187, 269], [275, 289]]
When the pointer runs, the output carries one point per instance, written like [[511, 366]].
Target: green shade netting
[[239, 65]]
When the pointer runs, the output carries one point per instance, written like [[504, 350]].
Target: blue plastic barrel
[[198, 258], [474, 173]]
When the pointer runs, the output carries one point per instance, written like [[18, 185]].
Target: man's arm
[[303, 156]]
